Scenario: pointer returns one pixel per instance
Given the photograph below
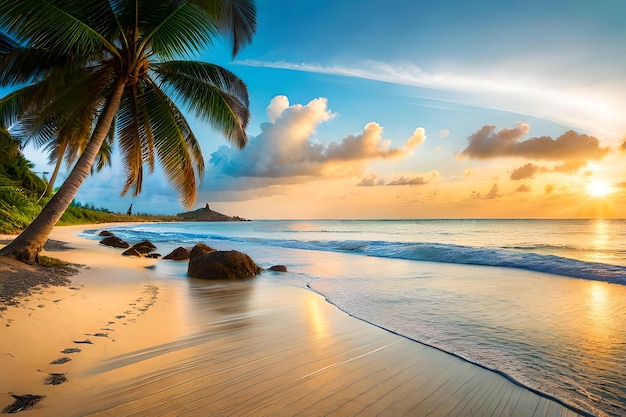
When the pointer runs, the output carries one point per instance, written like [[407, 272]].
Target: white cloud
[[276, 107], [285, 148]]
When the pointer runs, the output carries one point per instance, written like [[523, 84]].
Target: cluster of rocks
[[204, 261]]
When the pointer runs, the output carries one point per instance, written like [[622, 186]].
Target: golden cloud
[[488, 143]]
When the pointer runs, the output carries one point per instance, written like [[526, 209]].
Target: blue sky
[[378, 109]]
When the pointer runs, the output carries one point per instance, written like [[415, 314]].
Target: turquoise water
[[541, 301]]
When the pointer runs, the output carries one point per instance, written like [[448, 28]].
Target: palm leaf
[[212, 93], [175, 145], [236, 19], [7, 44], [131, 136], [14, 105], [68, 114], [25, 65], [56, 25], [35, 130], [182, 29]]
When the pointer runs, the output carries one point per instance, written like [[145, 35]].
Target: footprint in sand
[[22, 402], [60, 361], [28, 401], [55, 379]]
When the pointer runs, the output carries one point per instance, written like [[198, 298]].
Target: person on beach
[[130, 210]]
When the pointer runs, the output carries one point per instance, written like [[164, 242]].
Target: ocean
[[542, 302]]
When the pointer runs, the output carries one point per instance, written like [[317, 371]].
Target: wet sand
[[184, 347]]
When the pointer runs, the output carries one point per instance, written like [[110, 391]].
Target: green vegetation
[[17, 211], [19, 186], [52, 262], [21, 190], [15, 170], [82, 214]]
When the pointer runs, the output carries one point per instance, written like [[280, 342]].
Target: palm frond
[[56, 25], [176, 147], [179, 30], [32, 129], [67, 114], [130, 132], [14, 105], [7, 44], [212, 93], [26, 65], [104, 157], [236, 19]]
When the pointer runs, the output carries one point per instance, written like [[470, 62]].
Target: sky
[[415, 109]]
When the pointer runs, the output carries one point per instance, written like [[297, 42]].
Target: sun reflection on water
[[598, 332], [600, 241], [316, 320]]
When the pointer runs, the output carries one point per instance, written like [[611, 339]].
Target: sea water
[[542, 302]]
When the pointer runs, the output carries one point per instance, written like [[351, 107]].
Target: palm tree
[[115, 66], [65, 142]]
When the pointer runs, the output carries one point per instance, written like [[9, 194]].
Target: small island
[[205, 214]]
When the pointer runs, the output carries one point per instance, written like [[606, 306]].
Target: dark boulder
[[115, 242], [144, 247], [105, 233], [278, 268], [178, 254], [200, 249], [153, 255], [232, 265], [132, 252]]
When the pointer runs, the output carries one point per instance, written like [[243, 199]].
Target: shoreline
[[463, 358], [325, 362]]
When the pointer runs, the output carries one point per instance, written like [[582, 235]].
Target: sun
[[599, 189]]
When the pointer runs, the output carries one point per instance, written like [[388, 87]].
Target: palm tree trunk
[[57, 166], [29, 243]]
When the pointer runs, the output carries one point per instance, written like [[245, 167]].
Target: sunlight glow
[[599, 189]]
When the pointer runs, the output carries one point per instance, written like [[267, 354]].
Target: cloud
[[529, 170], [523, 189], [285, 146], [444, 133], [417, 180], [569, 167], [524, 172], [276, 107], [373, 180], [491, 195], [549, 188], [486, 143]]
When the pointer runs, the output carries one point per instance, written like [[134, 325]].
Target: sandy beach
[[142, 344]]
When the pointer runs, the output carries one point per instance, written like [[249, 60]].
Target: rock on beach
[[231, 265]]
